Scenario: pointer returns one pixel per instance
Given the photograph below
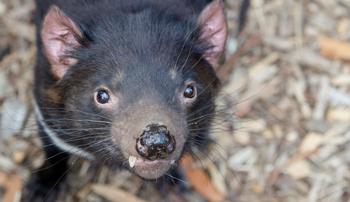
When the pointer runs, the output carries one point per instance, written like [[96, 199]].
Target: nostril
[[155, 142]]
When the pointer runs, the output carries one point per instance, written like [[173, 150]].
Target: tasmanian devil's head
[[137, 88]]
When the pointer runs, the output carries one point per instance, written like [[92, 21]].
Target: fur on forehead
[[150, 35]]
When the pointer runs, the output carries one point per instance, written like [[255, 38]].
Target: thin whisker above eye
[[188, 35], [188, 56], [195, 64], [207, 86]]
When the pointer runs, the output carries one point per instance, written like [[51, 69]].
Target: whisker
[[175, 178]]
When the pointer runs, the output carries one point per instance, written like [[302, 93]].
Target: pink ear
[[213, 31], [59, 36]]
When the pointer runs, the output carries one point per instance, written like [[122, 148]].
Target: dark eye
[[102, 96], [190, 91]]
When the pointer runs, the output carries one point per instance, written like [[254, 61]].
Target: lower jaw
[[152, 170]]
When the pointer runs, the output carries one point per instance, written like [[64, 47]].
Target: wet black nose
[[155, 142]]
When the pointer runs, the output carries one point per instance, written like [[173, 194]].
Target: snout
[[151, 141], [155, 143]]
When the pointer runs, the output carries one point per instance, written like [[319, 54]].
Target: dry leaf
[[200, 180], [335, 49], [13, 189], [3, 179], [257, 187]]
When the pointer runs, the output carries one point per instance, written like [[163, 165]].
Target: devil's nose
[[155, 142]]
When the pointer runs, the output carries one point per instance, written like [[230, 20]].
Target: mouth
[[149, 169]]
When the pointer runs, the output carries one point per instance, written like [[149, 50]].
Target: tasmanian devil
[[129, 83]]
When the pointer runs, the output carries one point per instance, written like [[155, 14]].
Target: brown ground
[[290, 89]]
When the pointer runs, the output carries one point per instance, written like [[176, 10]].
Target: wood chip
[[339, 114], [19, 156], [310, 143], [217, 178], [312, 59], [264, 69], [299, 169], [14, 114], [322, 99], [286, 79], [114, 194]]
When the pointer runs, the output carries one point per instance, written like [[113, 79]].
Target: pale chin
[[150, 170], [152, 174]]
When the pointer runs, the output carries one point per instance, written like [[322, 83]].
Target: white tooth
[[132, 161]]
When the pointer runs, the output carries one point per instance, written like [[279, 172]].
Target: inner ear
[[60, 36], [212, 22]]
